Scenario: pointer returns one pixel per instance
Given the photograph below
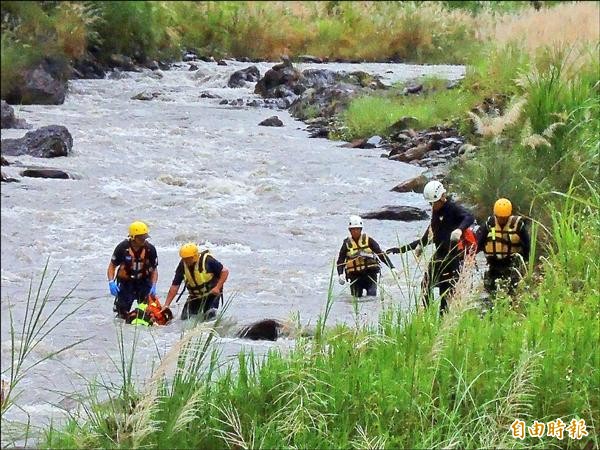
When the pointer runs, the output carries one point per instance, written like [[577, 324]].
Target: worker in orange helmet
[[506, 244]]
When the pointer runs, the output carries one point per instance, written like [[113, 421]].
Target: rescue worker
[[449, 221], [137, 274], [505, 242], [204, 277], [359, 258]]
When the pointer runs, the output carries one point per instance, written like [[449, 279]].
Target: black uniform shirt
[[121, 254], [443, 222]]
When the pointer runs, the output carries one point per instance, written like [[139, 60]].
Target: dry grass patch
[[569, 24]]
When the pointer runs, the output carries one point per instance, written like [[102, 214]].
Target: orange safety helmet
[[502, 208]]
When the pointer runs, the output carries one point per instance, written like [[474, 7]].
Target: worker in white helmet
[[358, 260], [448, 231]]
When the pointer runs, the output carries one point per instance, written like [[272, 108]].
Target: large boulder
[[325, 93], [404, 213], [45, 84], [46, 142], [416, 184], [326, 101], [280, 75], [88, 67], [239, 77]]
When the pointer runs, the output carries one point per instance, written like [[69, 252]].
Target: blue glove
[[153, 290], [114, 288]]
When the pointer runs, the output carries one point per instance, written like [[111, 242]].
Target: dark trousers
[[503, 275], [130, 290], [194, 305], [365, 282], [442, 272]]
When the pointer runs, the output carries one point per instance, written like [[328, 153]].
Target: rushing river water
[[270, 203]]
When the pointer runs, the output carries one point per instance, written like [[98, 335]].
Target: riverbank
[[85, 39]]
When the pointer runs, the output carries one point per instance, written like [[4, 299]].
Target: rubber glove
[[393, 251], [342, 279], [395, 272], [418, 250], [114, 288], [455, 235], [153, 290]]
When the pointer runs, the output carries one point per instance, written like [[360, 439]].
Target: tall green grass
[[411, 380], [548, 142]]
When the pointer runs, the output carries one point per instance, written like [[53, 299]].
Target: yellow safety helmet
[[502, 207], [189, 250], [137, 228]]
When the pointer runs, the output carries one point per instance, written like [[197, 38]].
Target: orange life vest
[[150, 313]]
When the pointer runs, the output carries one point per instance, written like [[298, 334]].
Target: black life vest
[[359, 257]]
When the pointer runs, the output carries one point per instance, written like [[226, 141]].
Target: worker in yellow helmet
[[505, 242], [204, 277], [135, 264]]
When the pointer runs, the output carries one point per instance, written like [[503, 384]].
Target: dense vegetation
[[375, 31], [411, 380]]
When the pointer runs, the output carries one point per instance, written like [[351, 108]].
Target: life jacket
[[502, 242], [359, 257], [199, 283], [149, 313], [136, 265]]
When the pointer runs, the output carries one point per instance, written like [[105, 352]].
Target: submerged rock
[[6, 179], [45, 173], [272, 121], [145, 96], [404, 213], [265, 330]]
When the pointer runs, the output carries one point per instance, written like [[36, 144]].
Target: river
[[270, 203]]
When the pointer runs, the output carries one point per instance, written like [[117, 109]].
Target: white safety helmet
[[355, 222], [433, 191]]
